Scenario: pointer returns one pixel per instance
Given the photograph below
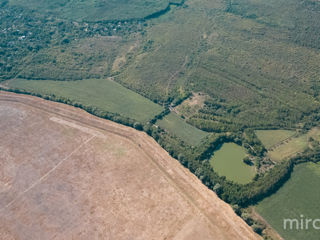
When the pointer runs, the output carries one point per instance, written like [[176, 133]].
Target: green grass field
[[300, 195], [294, 145], [101, 93], [181, 129], [270, 138], [93, 10], [227, 161], [289, 148]]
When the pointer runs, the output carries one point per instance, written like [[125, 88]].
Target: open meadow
[[290, 148], [66, 174], [103, 94], [300, 195], [282, 144], [176, 125], [269, 138]]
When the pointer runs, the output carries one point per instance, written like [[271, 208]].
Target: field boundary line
[[175, 74], [275, 146]]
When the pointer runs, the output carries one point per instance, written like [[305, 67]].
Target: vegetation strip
[[100, 94]]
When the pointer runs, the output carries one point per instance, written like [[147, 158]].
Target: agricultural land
[[298, 196], [69, 175], [179, 127], [103, 94], [234, 79]]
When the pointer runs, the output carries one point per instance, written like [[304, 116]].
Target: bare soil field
[[65, 174]]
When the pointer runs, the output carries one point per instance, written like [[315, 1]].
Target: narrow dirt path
[[175, 74]]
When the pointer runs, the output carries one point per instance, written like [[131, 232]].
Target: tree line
[[196, 159]]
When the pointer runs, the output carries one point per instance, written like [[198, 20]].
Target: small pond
[[228, 161]]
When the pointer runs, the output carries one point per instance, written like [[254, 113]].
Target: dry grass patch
[[191, 105], [270, 138], [292, 146]]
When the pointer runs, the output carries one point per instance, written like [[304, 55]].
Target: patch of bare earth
[[65, 174], [191, 105]]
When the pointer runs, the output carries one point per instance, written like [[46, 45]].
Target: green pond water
[[228, 162]]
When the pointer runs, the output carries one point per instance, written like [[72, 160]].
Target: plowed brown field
[[65, 174]]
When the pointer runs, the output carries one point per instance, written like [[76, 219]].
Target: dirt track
[[65, 174]]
